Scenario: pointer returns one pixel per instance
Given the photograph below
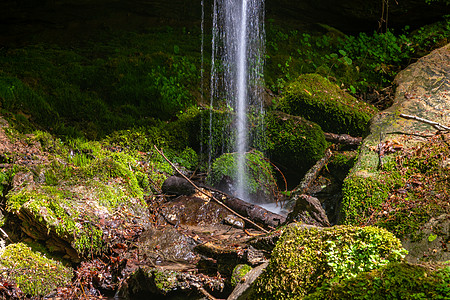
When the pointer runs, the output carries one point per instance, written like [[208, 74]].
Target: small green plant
[[360, 256], [432, 237]]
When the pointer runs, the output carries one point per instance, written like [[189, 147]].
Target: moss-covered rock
[[401, 175], [306, 258], [393, 281], [293, 143], [79, 197], [34, 274], [261, 183], [316, 99]]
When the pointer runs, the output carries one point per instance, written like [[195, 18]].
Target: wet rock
[[227, 256], [167, 244], [266, 242], [234, 221], [156, 283], [177, 186], [192, 210], [308, 210], [260, 182]]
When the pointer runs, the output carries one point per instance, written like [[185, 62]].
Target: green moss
[[362, 196], [18, 96], [54, 209], [316, 99], [33, 273], [165, 281], [400, 195], [109, 83], [260, 180], [393, 281], [304, 259], [238, 273], [342, 160], [293, 142], [210, 129]]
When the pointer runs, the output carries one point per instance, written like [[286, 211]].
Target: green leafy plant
[[432, 237]]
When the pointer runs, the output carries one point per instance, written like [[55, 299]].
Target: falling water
[[242, 101], [236, 72]]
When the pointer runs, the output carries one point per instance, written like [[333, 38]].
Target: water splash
[[236, 71]]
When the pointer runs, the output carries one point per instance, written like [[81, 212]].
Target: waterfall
[[236, 71]]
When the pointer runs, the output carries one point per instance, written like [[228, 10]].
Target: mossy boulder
[[34, 274], [260, 180], [306, 258], [401, 175], [393, 281], [78, 197], [318, 100], [293, 143]]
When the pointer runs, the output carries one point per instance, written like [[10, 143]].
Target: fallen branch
[[210, 196], [312, 174], [344, 139], [436, 125], [253, 211]]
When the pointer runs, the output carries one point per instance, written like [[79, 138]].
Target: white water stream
[[236, 72]]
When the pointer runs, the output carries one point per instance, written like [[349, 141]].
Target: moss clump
[[238, 273], [316, 99], [394, 281], [33, 273], [165, 281], [81, 185], [304, 259], [293, 141], [53, 209], [261, 183]]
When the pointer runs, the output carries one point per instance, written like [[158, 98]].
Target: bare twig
[[210, 196], [436, 125]]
